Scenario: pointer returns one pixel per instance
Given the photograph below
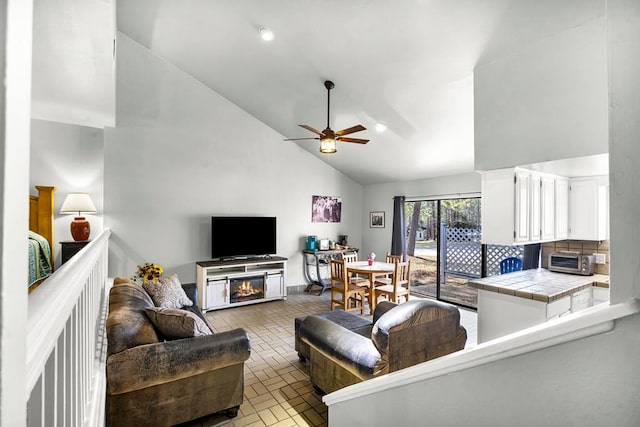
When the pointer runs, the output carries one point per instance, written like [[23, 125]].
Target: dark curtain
[[531, 256], [399, 236]]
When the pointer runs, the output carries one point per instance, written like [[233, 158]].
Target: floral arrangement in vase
[[371, 257], [149, 271]]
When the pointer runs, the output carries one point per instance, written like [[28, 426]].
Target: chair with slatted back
[[392, 259], [398, 286], [350, 256], [352, 295], [510, 264], [355, 279]]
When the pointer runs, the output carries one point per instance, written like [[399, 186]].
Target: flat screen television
[[242, 236]]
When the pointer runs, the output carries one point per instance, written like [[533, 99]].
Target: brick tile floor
[[277, 390]]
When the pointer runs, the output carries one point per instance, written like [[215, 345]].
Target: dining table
[[371, 271]]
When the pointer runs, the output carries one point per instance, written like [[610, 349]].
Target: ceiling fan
[[328, 137]]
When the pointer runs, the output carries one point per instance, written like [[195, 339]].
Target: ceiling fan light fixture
[[381, 127], [327, 145], [266, 34]]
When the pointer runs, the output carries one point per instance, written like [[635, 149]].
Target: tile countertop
[[539, 284]]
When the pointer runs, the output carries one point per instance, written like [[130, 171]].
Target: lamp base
[[80, 229]]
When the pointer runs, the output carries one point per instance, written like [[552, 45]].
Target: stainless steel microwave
[[572, 263]]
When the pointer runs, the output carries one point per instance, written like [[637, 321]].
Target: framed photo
[[326, 209], [376, 220]]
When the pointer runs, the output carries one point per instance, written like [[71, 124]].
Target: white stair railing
[[66, 342]]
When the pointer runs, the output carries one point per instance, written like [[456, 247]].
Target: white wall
[[546, 101], [181, 153], [624, 151], [70, 158], [15, 95], [379, 198]]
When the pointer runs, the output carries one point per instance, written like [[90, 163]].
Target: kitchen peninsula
[[511, 302]]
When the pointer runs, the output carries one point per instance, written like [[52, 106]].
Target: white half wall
[[181, 153], [546, 101], [70, 158], [379, 198]]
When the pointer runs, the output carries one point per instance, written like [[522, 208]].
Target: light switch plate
[[600, 258]]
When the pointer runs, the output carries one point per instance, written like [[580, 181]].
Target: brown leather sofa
[[407, 334], [152, 382]]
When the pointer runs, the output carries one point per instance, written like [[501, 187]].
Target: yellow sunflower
[[149, 271]]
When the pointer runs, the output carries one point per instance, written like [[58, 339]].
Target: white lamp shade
[[78, 202]]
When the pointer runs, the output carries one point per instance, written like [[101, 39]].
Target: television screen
[[242, 236]]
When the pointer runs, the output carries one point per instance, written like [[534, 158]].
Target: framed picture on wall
[[376, 220], [326, 209]]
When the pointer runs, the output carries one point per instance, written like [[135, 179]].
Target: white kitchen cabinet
[[581, 300], [498, 207], [523, 209], [501, 314], [521, 206], [547, 207], [561, 208], [535, 214], [588, 208], [599, 295]]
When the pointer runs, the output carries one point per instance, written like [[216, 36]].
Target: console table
[[317, 270], [223, 284]]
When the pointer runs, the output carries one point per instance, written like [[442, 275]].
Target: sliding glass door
[[422, 246], [443, 244]]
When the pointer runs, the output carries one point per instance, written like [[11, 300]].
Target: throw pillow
[[175, 324], [167, 292]]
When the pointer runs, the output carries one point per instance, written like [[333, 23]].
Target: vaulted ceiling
[[408, 64]]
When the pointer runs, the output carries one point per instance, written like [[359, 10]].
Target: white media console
[[231, 283]]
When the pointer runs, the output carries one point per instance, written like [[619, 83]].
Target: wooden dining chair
[[350, 256], [355, 279], [352, 295], [392, 259], [397, 287]]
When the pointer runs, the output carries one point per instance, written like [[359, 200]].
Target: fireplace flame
[[246, 289]]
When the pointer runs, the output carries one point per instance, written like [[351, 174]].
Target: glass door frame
[[439, 272]]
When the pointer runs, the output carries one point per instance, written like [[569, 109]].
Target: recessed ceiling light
[[266, 34], [381, 127]]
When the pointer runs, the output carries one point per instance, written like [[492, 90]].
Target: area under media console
[[229, 283]]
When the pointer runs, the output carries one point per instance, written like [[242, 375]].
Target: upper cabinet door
[[548, 207], [498, 207], [588, 209], [522, 210], [535, 222], [562, 208]]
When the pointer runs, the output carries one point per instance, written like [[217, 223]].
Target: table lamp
[[79, 202]]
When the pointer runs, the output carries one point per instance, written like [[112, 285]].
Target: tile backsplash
[[585, 247]]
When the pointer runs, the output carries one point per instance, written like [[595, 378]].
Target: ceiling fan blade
[[298, 139], [356, 140], [352, 129], [316, 131]]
